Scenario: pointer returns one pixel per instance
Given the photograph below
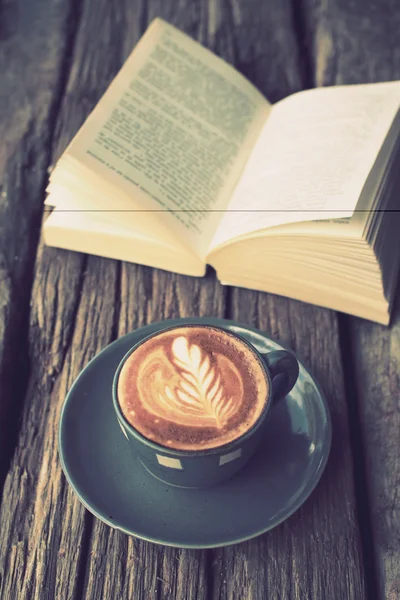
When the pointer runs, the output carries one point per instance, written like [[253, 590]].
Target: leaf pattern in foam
[[199, 392]]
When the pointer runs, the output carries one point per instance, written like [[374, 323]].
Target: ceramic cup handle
[[284, 370]]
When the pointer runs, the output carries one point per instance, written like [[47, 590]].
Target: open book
[[183, 163]]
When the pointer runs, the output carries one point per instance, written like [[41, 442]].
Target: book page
[[312, 158], [84, 232], [174, 131]]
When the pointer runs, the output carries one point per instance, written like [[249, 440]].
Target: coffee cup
[[193, 399]]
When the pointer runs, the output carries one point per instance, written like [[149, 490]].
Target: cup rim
[[191, 453]]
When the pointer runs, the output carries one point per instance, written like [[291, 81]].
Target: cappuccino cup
[[192, 401]]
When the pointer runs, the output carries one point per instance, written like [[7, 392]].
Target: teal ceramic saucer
[[115, 487]]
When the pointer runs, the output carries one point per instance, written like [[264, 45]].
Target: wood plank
[[80, 306], [41, 521], [136, 568], [373, 371], [356, 43], [142, 568], [317, 552], [74, 314], [33, 42], [376, 364], [353, 42], [256, 567]]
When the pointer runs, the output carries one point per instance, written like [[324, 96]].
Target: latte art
[[188, 389], [192, 388]]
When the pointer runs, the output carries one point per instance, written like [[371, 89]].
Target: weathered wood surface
[[33, 60], [50, 547], [376, 355], [317, 552], [78, 306], [353, 43], [301, 558]]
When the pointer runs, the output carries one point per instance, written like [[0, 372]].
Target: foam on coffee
[[192, 388]]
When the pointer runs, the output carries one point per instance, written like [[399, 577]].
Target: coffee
[[192, 388]]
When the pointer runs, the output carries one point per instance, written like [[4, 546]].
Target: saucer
[[114, 486]]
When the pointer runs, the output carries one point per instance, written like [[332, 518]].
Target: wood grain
[[376, 364], [142, 568], [117, 566], [317, 552], [78, 306], [42, 522], [32, 58], [58, 59], [356, 43], [351, 42]]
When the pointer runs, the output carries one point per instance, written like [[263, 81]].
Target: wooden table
[[58, 309]]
